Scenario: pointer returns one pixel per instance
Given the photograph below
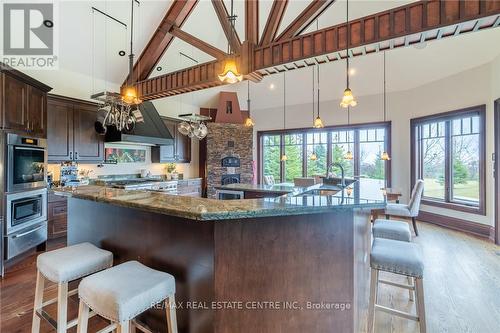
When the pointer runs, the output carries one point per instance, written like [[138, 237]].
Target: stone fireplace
[[224, 145]]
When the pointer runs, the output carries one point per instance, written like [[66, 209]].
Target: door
[[37, 112], [60, 135], [88, 145], [14, 103], [496, 171], [183, 147]]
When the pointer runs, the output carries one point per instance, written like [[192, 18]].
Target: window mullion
[[304, 155], [357, 150], [448, 162], [282, 151]]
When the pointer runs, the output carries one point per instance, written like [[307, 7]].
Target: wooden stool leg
[[123, 327], [373, 299], [83, 318], [411, 293], [40, 284], [419, 290], [62, 307], [171, 314]]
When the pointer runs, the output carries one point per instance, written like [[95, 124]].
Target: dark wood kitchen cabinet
[[179, 152], [57, 216], [71, 135], [23, 103]]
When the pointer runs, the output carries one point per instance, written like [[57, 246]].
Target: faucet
[[328, 172]]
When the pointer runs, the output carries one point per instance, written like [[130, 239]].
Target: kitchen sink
[[334, 181], [323, 190]]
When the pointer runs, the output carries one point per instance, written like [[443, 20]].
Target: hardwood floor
[[462, 284]]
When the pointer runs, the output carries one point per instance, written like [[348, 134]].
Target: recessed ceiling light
[[159, 68], [121, 53], [48, 23], [272, 86]]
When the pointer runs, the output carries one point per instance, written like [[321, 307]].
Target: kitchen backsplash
[[187, 169]]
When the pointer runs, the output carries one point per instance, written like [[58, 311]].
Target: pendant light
[[348, 155], [230, 73], [348, 98], [318, 123], [385, 156], [129, 93], [248, 122], [284, 158]]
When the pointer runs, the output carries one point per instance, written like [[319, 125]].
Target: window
[[448, 154], [293, 167], [367, 142], [317, 143]]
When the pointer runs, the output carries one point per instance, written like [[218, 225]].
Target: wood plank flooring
[[462, 289]]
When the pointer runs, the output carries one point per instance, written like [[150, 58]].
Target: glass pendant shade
[[348, 155], [348, 99], [314, 157], [230, 73], [318, 123], [385, 156], [249, 122], [130, 96], [284, 158]]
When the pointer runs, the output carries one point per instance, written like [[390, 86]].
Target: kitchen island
[[294, 263]]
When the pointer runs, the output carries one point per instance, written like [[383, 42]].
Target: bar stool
[[62, 266], [402, 258], [391, 229], [122, 292]]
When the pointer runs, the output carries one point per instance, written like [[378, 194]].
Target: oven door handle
[[28, 232], [29, 148]]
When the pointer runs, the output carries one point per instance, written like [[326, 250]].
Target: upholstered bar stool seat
[[121, 293], [402, 258], [73, 262], [391, 229], [62, 266]]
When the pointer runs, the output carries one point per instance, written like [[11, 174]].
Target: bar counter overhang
[[288, 264]]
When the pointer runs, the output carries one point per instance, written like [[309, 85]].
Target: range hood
[[150, 132]]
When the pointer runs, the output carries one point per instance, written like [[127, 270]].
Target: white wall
[[468, 88]]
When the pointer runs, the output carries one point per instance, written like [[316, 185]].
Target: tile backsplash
[[187, 169]]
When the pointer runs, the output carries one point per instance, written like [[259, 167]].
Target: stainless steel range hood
[[151, 132]]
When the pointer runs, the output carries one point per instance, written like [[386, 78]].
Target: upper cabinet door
[[60, 133], [88, 145], [14, 103], [37, 112], [183, 148]]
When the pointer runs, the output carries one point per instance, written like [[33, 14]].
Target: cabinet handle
[[76, 155], [70, 155]]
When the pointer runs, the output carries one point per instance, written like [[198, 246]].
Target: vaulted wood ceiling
[[292, 48]]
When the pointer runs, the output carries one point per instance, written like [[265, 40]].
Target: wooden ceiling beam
[[177, 14], [421, 17], [229, 31], [198, 43], [273, 21], [252, 21], [305, 19]]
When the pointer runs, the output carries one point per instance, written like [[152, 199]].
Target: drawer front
[[25, 240], [56, 198], [194, 182], [58, 210], [58, 228]]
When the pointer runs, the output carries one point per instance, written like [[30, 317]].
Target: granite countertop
[[284, 188], [363, 194]]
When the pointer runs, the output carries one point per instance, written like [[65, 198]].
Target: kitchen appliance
[[26, 162], [25, 221], [229, 194], [69, 174], [151, 184], [23, 194]]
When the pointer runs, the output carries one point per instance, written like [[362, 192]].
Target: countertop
[[363, 194], [276, 188]]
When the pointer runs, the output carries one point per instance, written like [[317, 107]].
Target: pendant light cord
[[318, 89], [284, 100], [348, 115], [313, 94], [385, 96], [248, 97], [347, 41], [131, 55]]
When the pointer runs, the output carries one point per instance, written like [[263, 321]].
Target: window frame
[[416, 163], [328, 129]]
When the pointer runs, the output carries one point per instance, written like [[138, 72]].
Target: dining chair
[[408, 210]]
